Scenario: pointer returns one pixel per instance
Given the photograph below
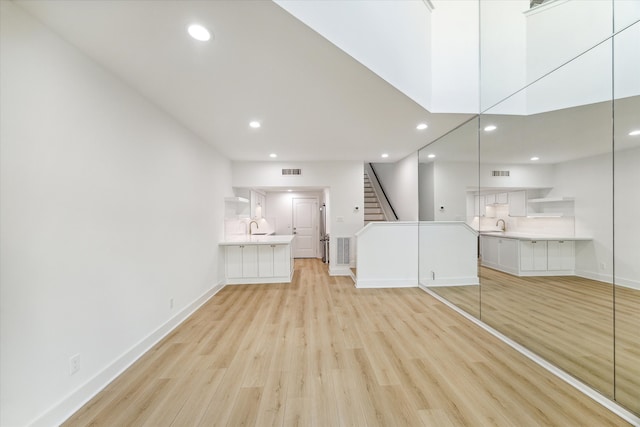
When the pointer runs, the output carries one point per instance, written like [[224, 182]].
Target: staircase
[[372, 209]]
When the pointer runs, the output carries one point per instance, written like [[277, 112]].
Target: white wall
[[627, 225], [400, 183], [454, 56], [502, 53], [391, 38], [345, 184], [109, 209], [594, 214], [426, 196]]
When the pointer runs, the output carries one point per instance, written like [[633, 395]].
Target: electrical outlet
[[74, 364]]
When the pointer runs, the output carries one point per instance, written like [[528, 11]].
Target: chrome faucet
[[257, 226], [504, 225]]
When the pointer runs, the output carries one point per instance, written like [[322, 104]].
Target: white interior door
[[305, 227]]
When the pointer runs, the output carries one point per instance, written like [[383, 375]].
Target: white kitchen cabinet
[[265, 260], [262, 262], [533, 255], [489, 250], [479, 206], [490, 199], [241, 261], [282, 260], [258, 200], [561, 255], [508, 255], [499, 253], [274, 260], [518, 203], [502, 198]]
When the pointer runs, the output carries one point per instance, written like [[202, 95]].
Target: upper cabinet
[[518, 203]]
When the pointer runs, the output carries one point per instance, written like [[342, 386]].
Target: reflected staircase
[[372, 209]]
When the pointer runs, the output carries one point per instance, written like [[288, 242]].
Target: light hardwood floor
[[319, 352], [567, 320]]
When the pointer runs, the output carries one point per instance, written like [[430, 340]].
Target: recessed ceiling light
[[254, 124], [384, 155], [273, 155], [634, 132], [422, 126], [199, 32], [431, 156], [490, 128], [534, 158]]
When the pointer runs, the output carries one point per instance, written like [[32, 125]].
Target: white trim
[[259, 280], [451, 281], [628, 283], [386, 283], [572, 381], [71, 403], [342, 270]]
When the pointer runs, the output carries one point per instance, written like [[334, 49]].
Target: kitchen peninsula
[[252, 259]]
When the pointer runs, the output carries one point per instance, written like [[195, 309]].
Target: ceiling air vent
[[499, 173], [291, 171]]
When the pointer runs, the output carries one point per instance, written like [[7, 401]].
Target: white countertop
[[530, 236], [260, 239]]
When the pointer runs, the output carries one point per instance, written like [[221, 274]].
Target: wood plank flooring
[[319, 352], [567, 320]]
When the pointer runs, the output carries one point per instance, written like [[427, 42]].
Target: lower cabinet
[[258, 263], [533, 255], [242, 261], [500, 253], [561, 255], [528, 257]]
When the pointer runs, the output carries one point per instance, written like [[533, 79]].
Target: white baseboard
[[61, 411], [341, 270], [451, 281], [566, 377], [386, 283], [607, 278], [628, 283]]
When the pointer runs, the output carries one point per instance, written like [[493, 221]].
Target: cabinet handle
[[561, 241], [273, 246], [533, 241]]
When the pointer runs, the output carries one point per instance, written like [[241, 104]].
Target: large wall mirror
[[448, 179], [626, 208], [549, 177]]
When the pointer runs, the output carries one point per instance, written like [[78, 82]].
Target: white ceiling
[[554, 136], [314, 101]]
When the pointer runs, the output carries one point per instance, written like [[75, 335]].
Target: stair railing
[[385, 204]]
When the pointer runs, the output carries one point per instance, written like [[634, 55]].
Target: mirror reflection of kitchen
[[548, 177]]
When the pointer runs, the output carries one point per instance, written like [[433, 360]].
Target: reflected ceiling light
[[384, 155], [273, 155], [289, 190], [422, 126], [254, 124], [490, 128], [431, 156], [534, 158], [199, 32], [634, 132]]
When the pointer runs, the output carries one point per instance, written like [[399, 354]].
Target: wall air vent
[[499, 173], [342, 246], [291, 171]]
